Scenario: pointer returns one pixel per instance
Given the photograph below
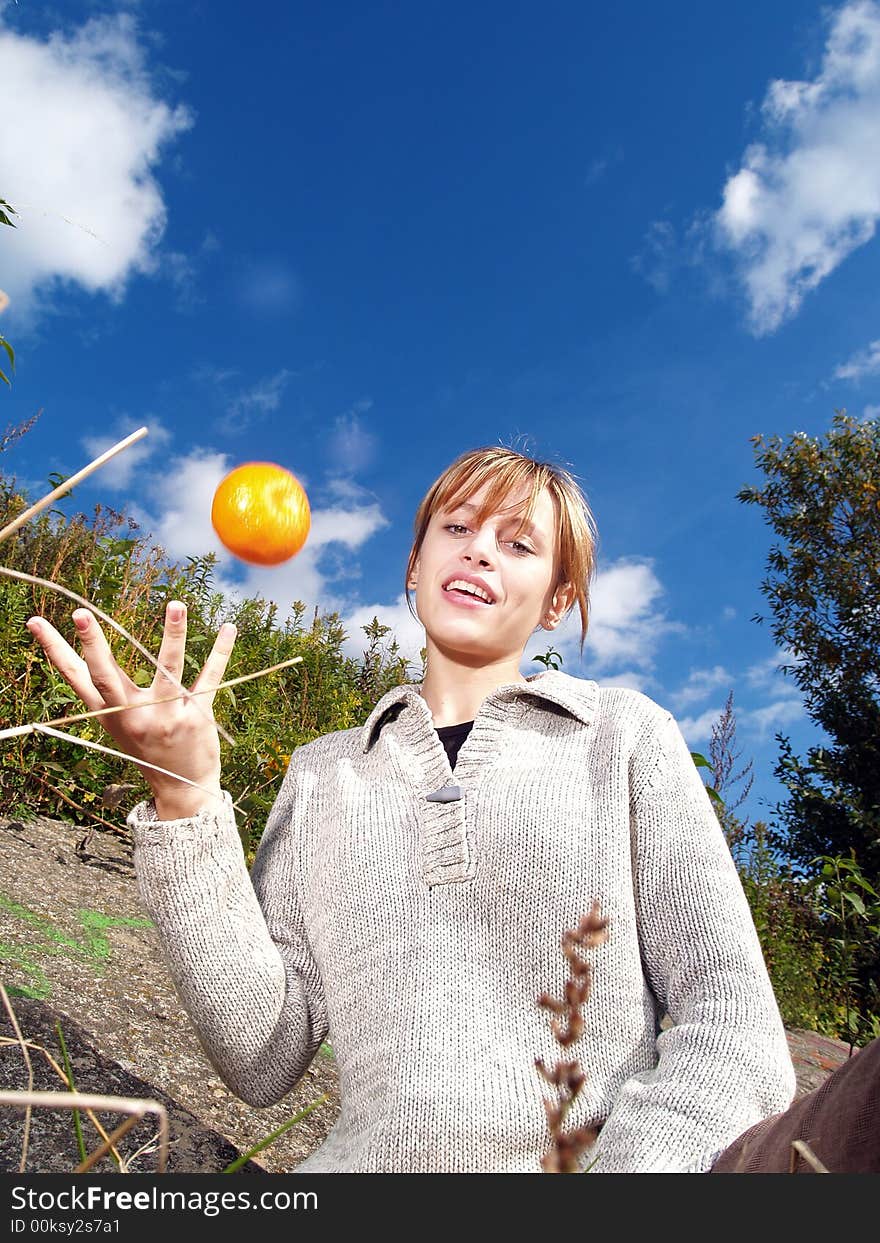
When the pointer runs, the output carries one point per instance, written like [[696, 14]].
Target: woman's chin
[[471, 649]]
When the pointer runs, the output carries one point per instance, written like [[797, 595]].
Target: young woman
[[417, 873]]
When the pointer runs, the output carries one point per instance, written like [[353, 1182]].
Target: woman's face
[[517, 573]]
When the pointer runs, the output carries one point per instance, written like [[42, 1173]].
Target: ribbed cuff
[[215, 819]]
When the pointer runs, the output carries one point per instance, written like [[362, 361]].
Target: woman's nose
[[481, 545]]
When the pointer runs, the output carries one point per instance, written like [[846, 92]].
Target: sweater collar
[[576, 695]]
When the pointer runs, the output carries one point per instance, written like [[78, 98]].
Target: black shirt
[[452, 736]]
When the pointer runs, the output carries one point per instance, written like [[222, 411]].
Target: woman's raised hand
[[178, 734]]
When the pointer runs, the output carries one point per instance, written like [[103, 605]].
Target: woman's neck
[[454, 693]]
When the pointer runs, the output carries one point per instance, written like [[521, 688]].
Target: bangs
[[503, 480]]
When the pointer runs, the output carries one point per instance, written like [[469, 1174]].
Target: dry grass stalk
[[90, 1114], [16, 730], [567, 1026], [46, 727], [88, 1102], [135, 1108], [121, 755], [802, 1148], [30, 1069], [26, 1045], [69, 484]]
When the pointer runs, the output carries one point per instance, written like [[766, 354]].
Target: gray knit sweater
[[417, 934]]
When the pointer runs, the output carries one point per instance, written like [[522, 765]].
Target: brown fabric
[[840, 1122]]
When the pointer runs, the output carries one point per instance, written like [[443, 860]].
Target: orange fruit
[[261, 513]]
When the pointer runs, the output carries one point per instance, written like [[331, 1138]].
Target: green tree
[[822, 498]]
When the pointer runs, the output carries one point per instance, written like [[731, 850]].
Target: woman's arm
[[235, 944], [237, 950], [725, 1064]]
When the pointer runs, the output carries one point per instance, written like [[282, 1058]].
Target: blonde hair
[[506, 471]]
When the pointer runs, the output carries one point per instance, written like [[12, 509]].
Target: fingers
[[98, 679], [171, 653], [218, 658], [71, 666], [107, 678]]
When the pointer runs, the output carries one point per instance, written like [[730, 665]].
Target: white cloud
[[764, 721], [784, 704], [599, 167], [659, 257], [341, 488], [785, 699], [269, 287], [698, 729], [346, 526], [809, 194], [700, 684], [91, 210], [870, 412], [626, 625], [253, 404], [180, 498], [175, 509], [182, 271], [119, 471], [351, 446], [864, 362], [305, 577], [767, 675], [629, 679], [625, 628]]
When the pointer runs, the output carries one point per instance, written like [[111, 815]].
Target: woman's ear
[[563, 597], [566, 597]]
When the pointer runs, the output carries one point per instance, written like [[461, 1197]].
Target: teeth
[[469, 587]]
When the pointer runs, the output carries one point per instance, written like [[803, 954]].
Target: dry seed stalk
[[567, 1026]]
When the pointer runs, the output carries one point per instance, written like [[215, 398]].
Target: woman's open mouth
[[465, 598]]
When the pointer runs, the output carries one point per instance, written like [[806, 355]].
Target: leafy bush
[[789, 932], [809, 933]]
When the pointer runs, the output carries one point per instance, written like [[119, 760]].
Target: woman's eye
[[457, 526]]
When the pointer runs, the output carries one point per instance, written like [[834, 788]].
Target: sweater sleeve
[[724, 1064], [235, 944]]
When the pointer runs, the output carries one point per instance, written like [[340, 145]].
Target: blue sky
[[358, 239]]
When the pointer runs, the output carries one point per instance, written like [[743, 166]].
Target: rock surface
[[74, 935], [52, 1146]]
